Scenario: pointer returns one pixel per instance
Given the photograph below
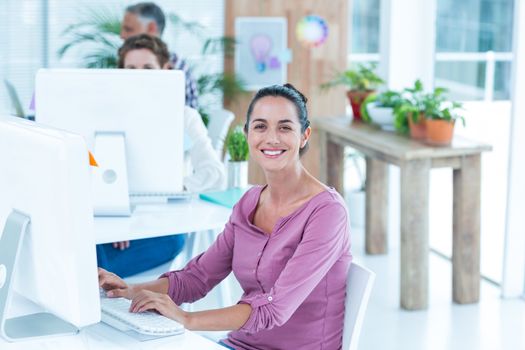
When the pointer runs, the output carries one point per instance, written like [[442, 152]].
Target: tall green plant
[[228, 84], [99, 31], [237, 145], [411, 104], [362, 78]]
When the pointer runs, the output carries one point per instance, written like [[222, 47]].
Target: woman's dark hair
[[144, 41], [289, 92]]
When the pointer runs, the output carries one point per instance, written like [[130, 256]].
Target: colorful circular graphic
[[311, 31]]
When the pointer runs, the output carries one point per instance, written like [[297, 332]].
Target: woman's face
[[141, 59], [274, 133]]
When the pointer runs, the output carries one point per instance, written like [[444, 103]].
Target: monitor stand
[[27, 326], [110, 178]]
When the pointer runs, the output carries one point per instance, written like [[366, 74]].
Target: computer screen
[[132, 120], [45, 177]]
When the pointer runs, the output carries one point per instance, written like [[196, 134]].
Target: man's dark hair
[[149, 11]]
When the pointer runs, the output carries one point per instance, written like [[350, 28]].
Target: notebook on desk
[[226, 198]]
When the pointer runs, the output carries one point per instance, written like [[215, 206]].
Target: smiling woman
[[296, 101], [287, 243]]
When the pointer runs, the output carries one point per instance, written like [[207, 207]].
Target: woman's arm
[[225, 319]]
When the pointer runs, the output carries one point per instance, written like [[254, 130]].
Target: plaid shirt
[[191, 86]]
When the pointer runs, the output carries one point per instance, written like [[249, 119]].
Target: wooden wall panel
[[309, 66]]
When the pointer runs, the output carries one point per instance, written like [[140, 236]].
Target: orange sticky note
[[92, 160]]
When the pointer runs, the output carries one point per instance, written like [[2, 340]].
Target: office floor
[[494, 323]]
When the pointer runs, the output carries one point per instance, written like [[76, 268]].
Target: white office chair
[[358, 289], [218, 127]]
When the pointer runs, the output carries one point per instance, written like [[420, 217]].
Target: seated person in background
[[287, 244], [128, 258], [148, 18]]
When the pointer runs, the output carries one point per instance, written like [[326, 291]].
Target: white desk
[[154, 220], [102, 336]]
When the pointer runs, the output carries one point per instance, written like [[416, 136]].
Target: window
[[22, 46], [473, 60], [473, 48], [363, 39]]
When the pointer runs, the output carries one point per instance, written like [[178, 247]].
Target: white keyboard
[[115, 312], [159, 196]]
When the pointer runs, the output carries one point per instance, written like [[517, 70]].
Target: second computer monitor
[[132, 120]]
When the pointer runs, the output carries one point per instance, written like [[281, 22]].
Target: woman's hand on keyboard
[[145, 300], [114, 285]]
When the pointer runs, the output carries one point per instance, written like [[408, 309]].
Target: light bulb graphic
[[261, 46]]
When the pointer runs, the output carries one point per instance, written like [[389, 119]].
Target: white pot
[[356, 201], [382, 116], [237, 174]]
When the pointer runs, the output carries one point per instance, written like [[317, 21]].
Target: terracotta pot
[[439, 132], [417, 129], [356, 99]]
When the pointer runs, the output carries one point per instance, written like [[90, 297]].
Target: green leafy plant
[[411, 104], [389, 98], [228, 84], [386, 99], [237, 145], [362, 78], [100, 31], [438, 107], [364, 111], [415, 102], [449, 111]]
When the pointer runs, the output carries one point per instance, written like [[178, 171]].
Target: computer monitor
[[47, 243], [133, 122]]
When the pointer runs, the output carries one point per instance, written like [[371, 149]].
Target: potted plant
[[237, 147], [409, 112], [379, 108], [412, 108], [440, 123], [360, 83]]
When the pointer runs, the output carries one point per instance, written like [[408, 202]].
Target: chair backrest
[[358, 288], [218, 126]]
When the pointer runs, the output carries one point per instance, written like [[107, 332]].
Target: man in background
[[148, 18]]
